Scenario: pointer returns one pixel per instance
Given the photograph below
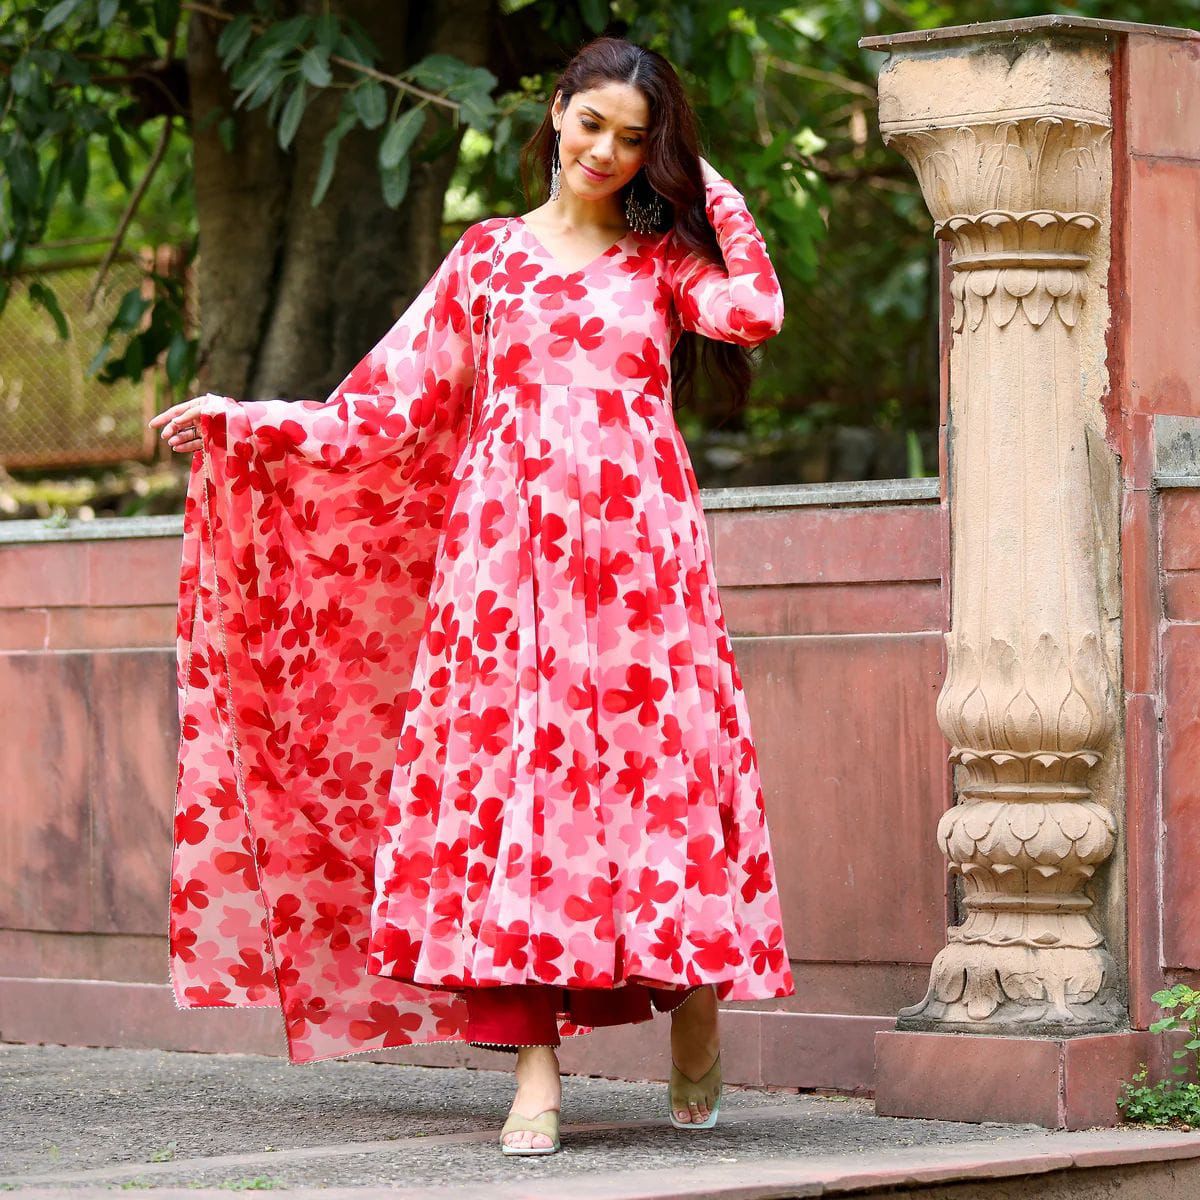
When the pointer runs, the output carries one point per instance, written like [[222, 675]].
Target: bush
[[1171, 1102]]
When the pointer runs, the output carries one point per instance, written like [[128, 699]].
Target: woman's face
[[602, 138]]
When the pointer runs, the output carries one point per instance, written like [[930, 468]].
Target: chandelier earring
[[644, 215], [555, 171]]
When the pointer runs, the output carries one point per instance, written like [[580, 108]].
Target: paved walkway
[[80, 1120]]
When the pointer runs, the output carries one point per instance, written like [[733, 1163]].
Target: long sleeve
[[740, 302], [415, 383]]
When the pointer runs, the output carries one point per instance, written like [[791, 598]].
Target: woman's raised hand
[[179, 424]]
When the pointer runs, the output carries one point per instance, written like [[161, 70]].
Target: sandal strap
[[545, 1123], [685, 1090]]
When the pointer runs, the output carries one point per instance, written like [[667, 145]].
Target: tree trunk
[[292, 296]]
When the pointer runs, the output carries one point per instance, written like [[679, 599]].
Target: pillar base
[[1060, 1083]]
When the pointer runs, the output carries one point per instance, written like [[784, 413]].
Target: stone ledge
[[1083, 26], [851, 492]]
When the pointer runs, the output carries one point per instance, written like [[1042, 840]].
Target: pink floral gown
[[458, 703]]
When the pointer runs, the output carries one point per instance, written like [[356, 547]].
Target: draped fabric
[[458, 704]]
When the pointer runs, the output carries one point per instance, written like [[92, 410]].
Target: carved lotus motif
[[1045, 705], [1068, 835]]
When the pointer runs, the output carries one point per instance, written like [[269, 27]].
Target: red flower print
[[632, 778], [216, 995], [643, 901], [707, 871], [386, 1022], [490, 620], [348, 778], [570, 332], [596, 906], [190, 827], [285, 916], [647, 366], [510, 944], [516, 272], [758, 877], [561, 290], [254, 974], [190, 894], [616, 488], [642, 691]]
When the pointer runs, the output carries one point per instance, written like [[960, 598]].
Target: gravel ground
[[114, 1118]]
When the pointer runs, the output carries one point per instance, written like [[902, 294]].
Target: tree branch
[[370, 72], [160, 151]]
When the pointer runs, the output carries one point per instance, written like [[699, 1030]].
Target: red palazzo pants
[[503, 1018]]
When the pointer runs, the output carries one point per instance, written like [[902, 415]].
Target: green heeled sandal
[[683, 1092], [545, 1123]]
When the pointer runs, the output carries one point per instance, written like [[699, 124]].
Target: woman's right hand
[[180, 424]]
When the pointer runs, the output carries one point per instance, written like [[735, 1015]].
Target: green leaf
[[371, 103], [58, 14], [23, 175], [166, 16], [234, 39], [119, 153], [42, 296], [439, 72], [24, 77], [105, 11], [403, 132], [285, 37], [333, 139], [327, 32], [132, 308], [595, 14], [741, 64], [348, 47], [502, 133], [78, 169], [1163, 1025], [225, 131], [314, 66], [395, 183], [293, 110], [478, 111], [178, 360], [134, 362]]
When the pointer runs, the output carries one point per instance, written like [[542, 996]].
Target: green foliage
[[785, 97], [1169, 1101], [72, 115]]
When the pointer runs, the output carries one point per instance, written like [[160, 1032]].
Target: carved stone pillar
[[1029, 707]]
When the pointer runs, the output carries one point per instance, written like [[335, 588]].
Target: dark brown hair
[[672, 168]]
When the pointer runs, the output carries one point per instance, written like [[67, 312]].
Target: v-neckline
[[562, 266]]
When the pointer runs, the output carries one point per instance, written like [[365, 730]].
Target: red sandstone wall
[[1155, 371], [837, 614]]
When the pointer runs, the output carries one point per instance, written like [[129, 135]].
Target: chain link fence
[[53, 412]]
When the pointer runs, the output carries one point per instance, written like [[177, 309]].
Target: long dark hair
[[672, 168]]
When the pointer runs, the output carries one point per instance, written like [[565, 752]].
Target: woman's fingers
[[168, 414], [180, 426]]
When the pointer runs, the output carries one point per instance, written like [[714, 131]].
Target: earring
[[555, 169], [644, 216]]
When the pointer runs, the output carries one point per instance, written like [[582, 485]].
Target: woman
[[465, 752]]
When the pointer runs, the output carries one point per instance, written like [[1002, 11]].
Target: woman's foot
[[539, 1087], [695, 1044]]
